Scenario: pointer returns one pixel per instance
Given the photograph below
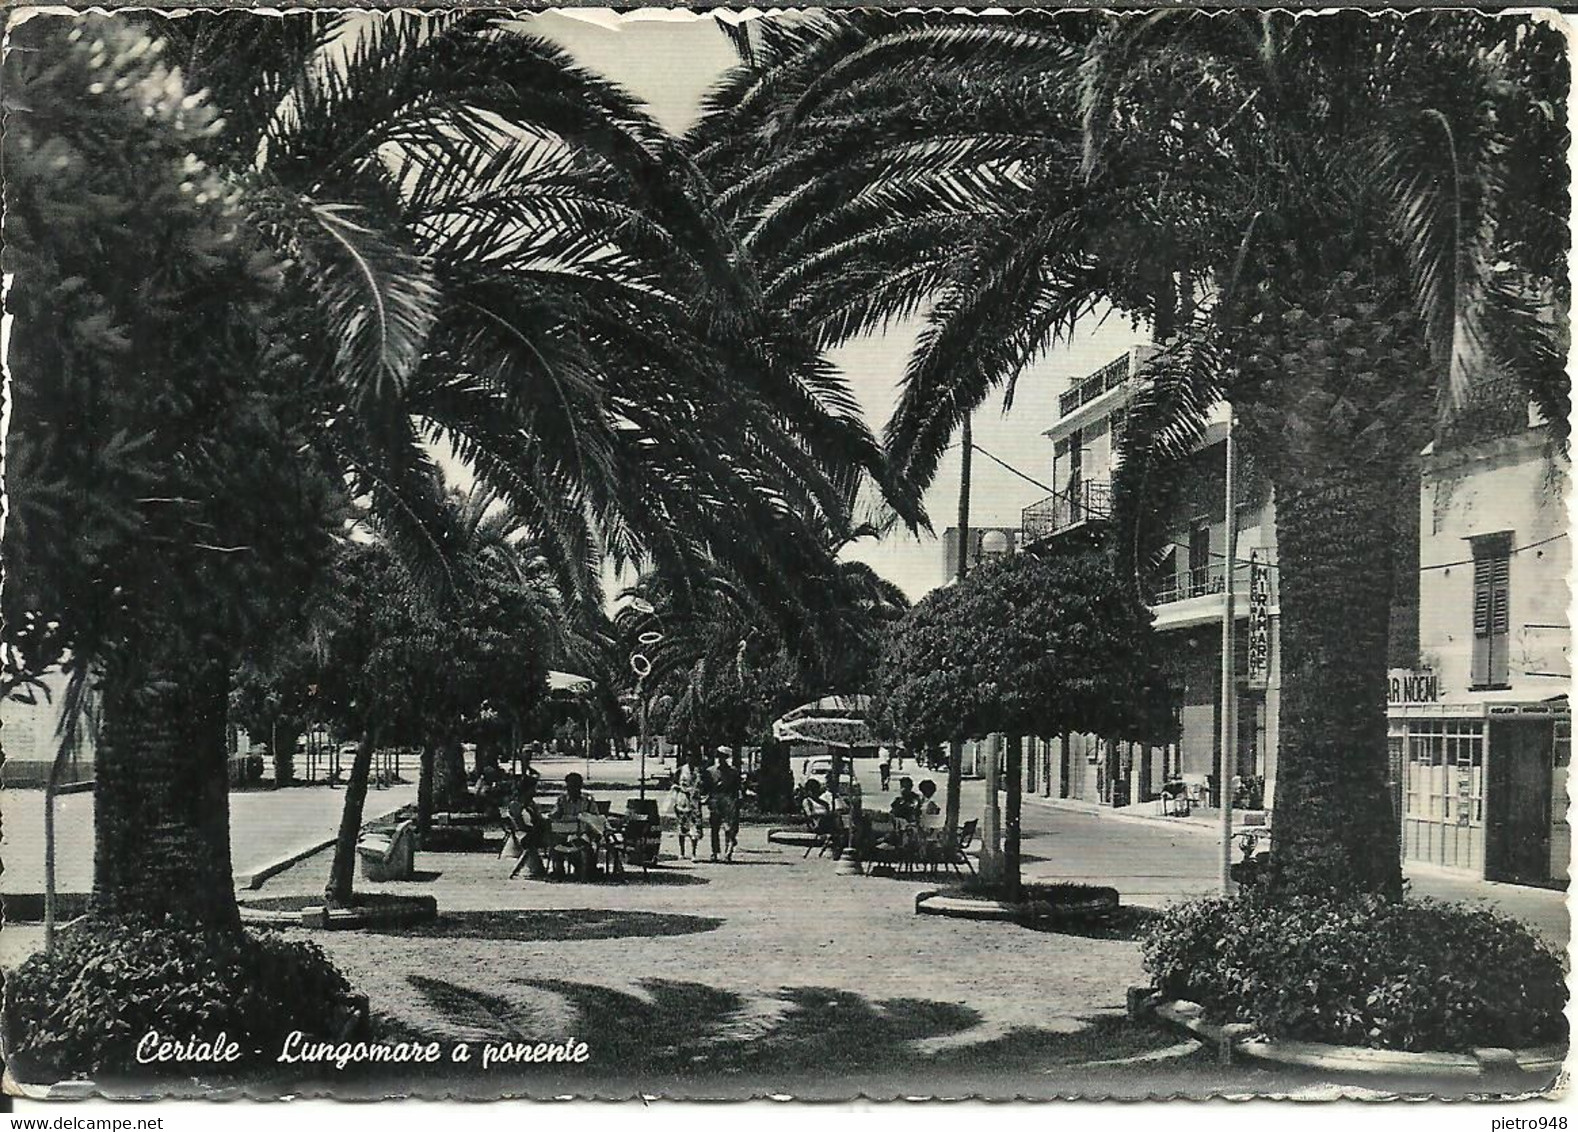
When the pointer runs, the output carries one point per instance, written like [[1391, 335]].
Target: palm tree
[[725, 666], [1323, 212], [492, 251]]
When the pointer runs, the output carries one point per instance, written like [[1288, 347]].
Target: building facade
[[1188, 602], [1479, 722], [1480, 727]]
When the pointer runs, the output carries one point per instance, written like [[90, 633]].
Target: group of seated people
[[908, 809], [578, 851]]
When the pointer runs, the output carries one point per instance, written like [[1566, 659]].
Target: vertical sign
[[1259, 659]]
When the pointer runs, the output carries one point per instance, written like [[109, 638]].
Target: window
[[1199, 558], [1492, 562], [1444, 779], [1075, 465]]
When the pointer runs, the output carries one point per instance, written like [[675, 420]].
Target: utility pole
[[961, 568], [1224, 771]]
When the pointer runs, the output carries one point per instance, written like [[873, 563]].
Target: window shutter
[[1482, 596], [1499, 569], [1492, 610]]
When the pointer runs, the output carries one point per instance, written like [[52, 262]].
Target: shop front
[[1480, 788]]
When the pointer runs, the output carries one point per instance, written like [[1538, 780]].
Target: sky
[[668, 59]]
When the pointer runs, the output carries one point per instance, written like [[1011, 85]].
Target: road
[[265, 825]]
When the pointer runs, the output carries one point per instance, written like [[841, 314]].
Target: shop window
[[1444, 778], [1492, 565]]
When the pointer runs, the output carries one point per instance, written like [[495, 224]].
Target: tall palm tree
[[1324, 212], [490, 250], [724, 666]]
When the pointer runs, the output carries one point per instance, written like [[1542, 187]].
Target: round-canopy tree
[[1028, 646]]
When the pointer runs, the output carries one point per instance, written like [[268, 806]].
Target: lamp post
[[642, 667], [1224, 771]]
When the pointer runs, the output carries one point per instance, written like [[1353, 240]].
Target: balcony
[[1109, 376], [1200, 582], [1091, 499]]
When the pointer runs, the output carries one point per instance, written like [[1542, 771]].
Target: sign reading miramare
[[1408, 686], [1259, 660]]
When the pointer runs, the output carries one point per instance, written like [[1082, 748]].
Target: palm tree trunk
[[775, 779], [424, 792], [1011, 813], [162, 792], [282, 752], [1335, 830], [449, 777], [991, 860], [342, 872]]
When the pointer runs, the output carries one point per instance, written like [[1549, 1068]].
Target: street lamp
[[642, 667]]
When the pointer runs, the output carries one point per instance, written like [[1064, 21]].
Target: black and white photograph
[[845, 554]]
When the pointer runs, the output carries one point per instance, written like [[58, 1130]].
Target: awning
[[832, 721], [569, 682]]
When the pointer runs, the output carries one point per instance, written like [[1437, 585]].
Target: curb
[[1509, 1067], [1107, 812], [255, 879], [934, 902], [798, 838]]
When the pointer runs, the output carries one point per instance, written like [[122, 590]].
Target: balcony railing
[[1109, 376], [1091, 499], [1203, 581]]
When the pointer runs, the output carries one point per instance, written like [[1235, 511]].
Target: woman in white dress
[[686, 795]]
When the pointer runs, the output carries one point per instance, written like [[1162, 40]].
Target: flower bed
[[975, 900], [1362, 971]]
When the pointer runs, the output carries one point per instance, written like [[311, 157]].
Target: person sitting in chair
[[817, 807], [928, 791], [582, 846], [906, 805], [529, 826]]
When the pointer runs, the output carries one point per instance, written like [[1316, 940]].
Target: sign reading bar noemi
[[1259, 658], [1406, 686]]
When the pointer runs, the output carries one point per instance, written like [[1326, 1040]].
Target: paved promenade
[[265, 826]]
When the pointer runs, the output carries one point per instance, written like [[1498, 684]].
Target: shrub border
[[1512, 1066]]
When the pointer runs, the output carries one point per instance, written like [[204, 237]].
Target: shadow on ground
[[555, 924], [1125, 922], [689, 1038]]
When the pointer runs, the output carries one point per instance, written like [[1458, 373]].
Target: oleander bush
[[82, 1011], [1362, 970]]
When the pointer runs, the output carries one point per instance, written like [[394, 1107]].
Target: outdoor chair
[[521, 841], [932, 841], [821, 826], [390, 856], [1173, 801], [567, 847], [959, 856], [884, 842]]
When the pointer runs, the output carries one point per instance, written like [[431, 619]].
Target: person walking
[[689, 785], [724, 804], [886, 770]]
